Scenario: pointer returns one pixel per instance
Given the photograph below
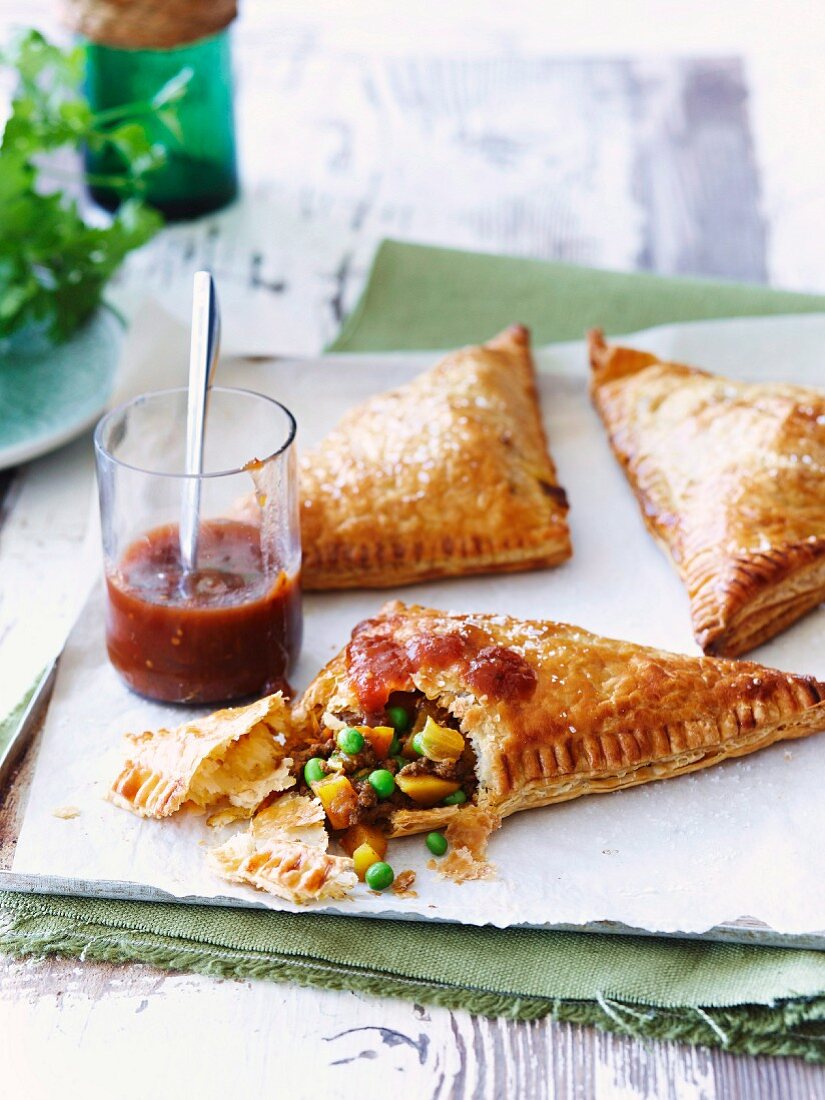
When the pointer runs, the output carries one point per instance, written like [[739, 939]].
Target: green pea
[[382, 782], [401, 761], [399, 719], [437, 843], [379, 876], [395, 747], [454, 799], [350, 741], [417, 745], [314, 770]]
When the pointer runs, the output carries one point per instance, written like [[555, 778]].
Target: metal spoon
[[203, 355]]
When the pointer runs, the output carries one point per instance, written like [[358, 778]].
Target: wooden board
[[615, 163]]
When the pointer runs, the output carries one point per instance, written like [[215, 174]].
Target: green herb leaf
[[53, 264]]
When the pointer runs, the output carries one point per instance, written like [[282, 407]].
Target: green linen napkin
[[757, 1000], [421, 297], [10, 723]]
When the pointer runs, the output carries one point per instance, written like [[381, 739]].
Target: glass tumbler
[[230, 627]]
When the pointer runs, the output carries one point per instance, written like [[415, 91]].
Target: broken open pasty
[[730, 477], [448, 475], [429, 720], [502, 715], [228, 762]]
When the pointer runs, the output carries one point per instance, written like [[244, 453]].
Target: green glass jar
[[200, 170]]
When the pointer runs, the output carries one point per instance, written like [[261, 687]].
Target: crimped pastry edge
[[574, 786], [777, 607], [319, 578], [565, 788]]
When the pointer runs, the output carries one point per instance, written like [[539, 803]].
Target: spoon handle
[[203, 354]]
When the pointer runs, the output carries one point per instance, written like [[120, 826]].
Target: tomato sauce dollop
[[502, 674], [378, 664], [224, 631]]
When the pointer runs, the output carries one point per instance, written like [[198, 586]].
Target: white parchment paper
[[741, 839]]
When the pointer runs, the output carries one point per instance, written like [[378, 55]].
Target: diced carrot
[[338, 797], [356, 835], [380, 737]]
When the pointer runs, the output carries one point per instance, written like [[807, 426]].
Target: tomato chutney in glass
[[230, 627]]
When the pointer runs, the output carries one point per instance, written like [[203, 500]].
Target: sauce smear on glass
[[225, 631]]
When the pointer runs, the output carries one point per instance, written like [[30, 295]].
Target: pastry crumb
[[402, 886], [227, 816], [66, 813], [284, 852], [461, 866], [467, 835]]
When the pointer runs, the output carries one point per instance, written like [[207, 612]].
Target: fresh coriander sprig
[[53, 264]]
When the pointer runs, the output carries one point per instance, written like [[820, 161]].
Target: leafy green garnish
[[53, 264]]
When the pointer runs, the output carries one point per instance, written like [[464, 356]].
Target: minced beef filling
[[357, 767]]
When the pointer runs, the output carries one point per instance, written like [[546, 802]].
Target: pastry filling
[[411, 756], [244, 772], [398, 750]]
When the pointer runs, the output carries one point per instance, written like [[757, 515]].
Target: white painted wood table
[[350, 132]]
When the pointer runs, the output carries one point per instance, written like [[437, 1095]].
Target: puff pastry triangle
[[551, 712], [730, 477], [447, 475]]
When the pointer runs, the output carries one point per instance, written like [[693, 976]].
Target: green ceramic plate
[[50, 397]]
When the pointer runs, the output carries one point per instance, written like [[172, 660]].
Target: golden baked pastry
[[233, 762], [430, 720], [730, 477], [448, 475], [284, 853], [510, 715], [229, 761]]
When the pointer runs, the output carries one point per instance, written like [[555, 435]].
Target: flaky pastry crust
[[230, 760], [602, 714], [448, 475], [730, 477], [284, 853]]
